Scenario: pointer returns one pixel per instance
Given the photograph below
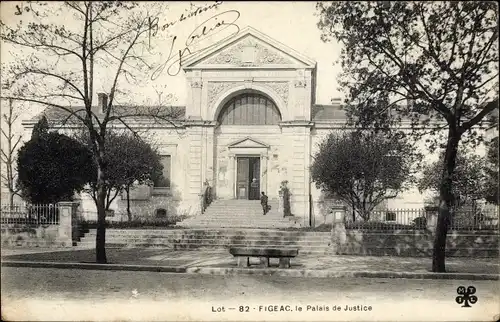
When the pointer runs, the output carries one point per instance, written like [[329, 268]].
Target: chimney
[[102, 101]]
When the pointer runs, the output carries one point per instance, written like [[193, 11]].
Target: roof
[[58, 114]]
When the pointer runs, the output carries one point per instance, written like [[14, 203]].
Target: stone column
[[339, 233], [194, 180], [209, 152], [431, 214], [297, 133], [231, 168], [195, 110], [264, 167], [67, 222]]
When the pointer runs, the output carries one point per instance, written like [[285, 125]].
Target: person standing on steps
[[263, 202]]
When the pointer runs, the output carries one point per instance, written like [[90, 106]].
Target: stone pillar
[[209, 153], [231, 169], [301, 93], [195, 109], [298, 135], [195, 157], [339, 233], [431, 215], [264, 177], [67, 222]]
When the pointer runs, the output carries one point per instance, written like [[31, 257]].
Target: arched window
[[250, 109]]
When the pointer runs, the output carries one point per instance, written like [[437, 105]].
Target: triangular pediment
[[248, 143], [249, 48]]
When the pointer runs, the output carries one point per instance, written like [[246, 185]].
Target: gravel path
[[61, 294]]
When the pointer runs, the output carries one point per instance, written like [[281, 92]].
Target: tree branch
[[476, 119]]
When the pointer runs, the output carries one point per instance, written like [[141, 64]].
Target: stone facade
[[202, 149], [250, 63]]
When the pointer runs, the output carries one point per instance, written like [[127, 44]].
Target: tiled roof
[[58, 114]]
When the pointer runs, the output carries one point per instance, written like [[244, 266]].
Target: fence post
[[67, 215], [339, 234], [431, 215]]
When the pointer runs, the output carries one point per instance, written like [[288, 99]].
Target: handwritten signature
[[224, 21]]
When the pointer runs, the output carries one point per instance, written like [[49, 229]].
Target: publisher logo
[[465, 296]]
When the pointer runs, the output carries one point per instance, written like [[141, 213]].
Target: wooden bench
[[243, 255]]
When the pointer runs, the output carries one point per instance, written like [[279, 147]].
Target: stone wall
[[27, 236], [53, 235], [418, 243], [480, 243], [148, 209]]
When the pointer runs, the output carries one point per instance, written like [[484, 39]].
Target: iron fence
[[29, 214], [475, 220], [416, 219], [390, 219]]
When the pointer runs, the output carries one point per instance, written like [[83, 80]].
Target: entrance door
[[248, 178]]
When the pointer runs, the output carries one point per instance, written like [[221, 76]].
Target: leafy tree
[[41, 128], [362, 168], [9, 149], [467, 182], [52, 167], [60, 65], [440, 57], [492, 177], [130, 161]]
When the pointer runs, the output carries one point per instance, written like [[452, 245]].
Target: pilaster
[[194, 108], [264, 158], [231, 174], [194, 162], [298, 136]]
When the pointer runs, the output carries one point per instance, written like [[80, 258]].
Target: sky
[[291, 23]]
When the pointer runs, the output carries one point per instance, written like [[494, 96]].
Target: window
[[163, 181], [390, 216], [250, 109]]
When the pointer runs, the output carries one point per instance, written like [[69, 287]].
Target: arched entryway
[[245, 123], [249, 109]]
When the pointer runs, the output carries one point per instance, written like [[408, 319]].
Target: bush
[[52, 167], [376, 225], [420, 222]]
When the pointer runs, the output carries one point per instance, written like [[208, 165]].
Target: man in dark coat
[[263, 202]]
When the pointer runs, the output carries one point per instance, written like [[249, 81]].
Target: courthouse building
[[250, 122]]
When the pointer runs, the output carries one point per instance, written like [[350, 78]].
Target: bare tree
[[9, 149], [61, 63]]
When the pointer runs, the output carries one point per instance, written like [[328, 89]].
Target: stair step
[[211, 240], [219, 238], [224, 231]]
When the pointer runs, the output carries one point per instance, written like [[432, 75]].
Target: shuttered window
[[250, 109]]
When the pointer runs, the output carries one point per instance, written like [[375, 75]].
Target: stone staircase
[[198, 239], [240, 214]]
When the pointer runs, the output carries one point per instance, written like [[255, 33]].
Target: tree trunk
[[100, 250], [129, 214], [445, 202], [11, 200], [365, 214], [101, 226]]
